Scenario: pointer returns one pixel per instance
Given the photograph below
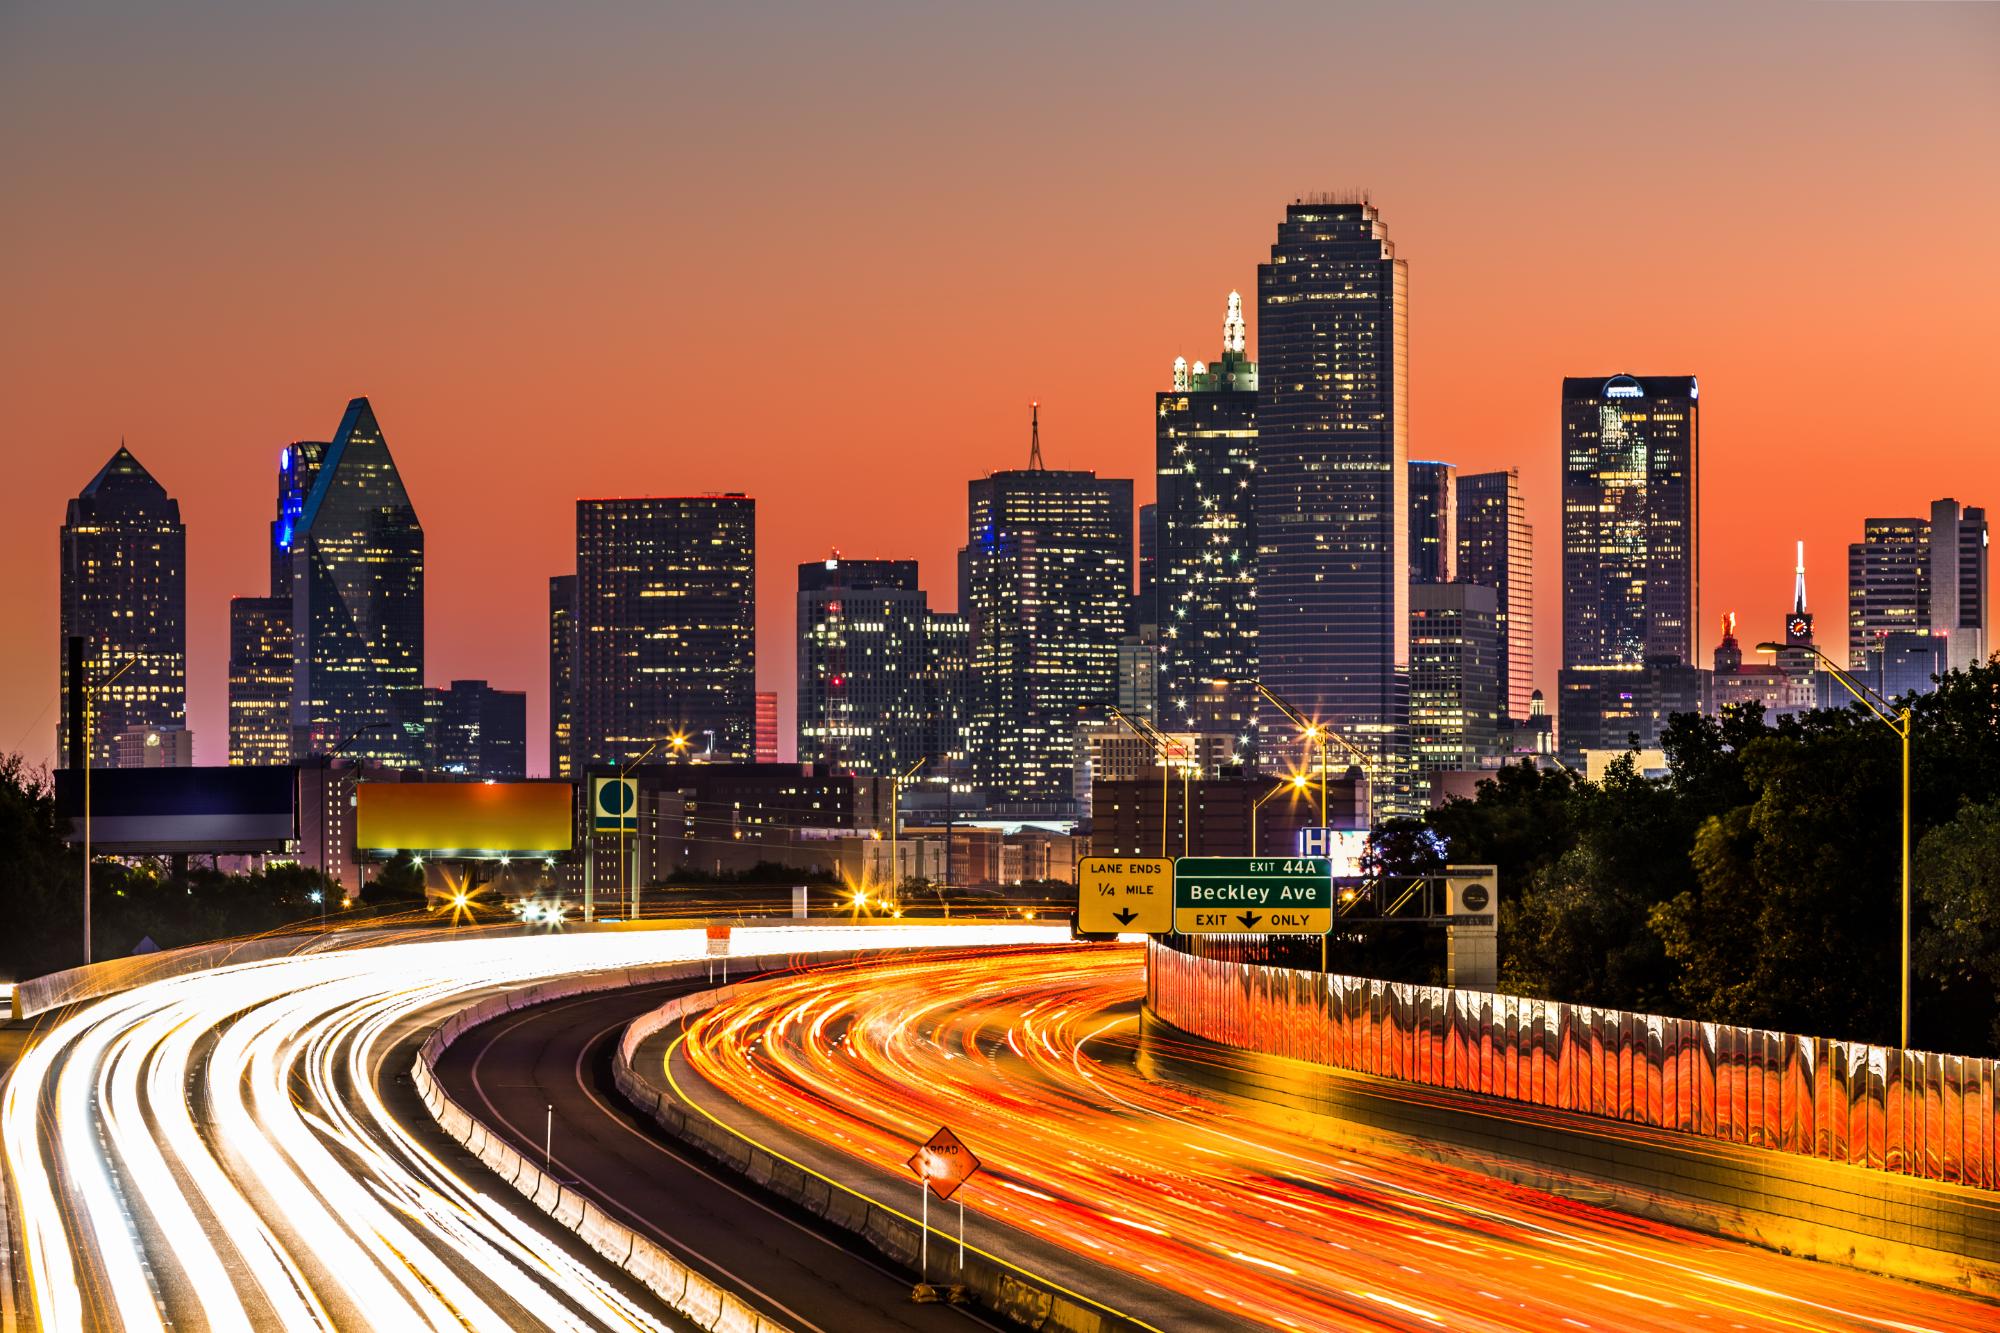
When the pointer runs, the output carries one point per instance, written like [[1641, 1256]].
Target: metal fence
[[1916, 1113]]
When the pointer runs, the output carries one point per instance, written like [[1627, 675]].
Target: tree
[[1958, 949]]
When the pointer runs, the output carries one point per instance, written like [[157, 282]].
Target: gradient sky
[[827, 254]]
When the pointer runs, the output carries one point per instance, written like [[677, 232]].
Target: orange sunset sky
[[827, 254]]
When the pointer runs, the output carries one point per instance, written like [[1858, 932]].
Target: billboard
[[165, 811], [464, 818], [1345, 847]]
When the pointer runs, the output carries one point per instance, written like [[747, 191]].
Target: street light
[[1296, 783], [90, 692], [1319, 733], [1899, 723], [895, 812], [678, 744]]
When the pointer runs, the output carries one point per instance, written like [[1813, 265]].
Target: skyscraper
[[357, 581], [665, 627], [1631, 546], [124, 595], [1918, 576], [1333, 589], [1147, 609], [1496, 550], [1049, 572], [1205, 450], [1433, 521], [862, 638], [260, 680], [481, 732], [562, 674], [1454, 676]]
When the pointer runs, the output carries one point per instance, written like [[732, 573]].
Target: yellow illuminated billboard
[[464, 818]]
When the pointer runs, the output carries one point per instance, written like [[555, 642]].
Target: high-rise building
[[260, 680], [1918, 576], [665, 627], [1049, 569], [480, 731], [1139, 672], [153, 747], [357, 581], [1333, 574], [1433, 521], [1205, 449], [1147, 610], [124, 598], [562, 674], [767, 727], [945, 700], [862, 638], [1454, 675], [1631, 548], [1496, 549]]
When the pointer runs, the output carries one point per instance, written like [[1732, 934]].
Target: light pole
[[325, 795], [1898, 721], [1294, 784], [895, 827], [89, 736], [1320, 733]]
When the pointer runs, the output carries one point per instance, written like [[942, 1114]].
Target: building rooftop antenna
[[1799, 584], [1035, 437]]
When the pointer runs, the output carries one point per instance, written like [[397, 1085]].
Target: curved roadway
[[1230, 1215]]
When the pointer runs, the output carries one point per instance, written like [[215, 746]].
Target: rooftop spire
[[1035, 437], [1232, 326], [1799, 583]]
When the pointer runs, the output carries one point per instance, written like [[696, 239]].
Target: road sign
[[614, 805], [1133, 894], [1343, 846], [1243, 895], [943, 1163]]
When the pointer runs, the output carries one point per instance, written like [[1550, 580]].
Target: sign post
[[1124, 894], [1472, 933], [941, 1165], [614, 808], [1253, 895]]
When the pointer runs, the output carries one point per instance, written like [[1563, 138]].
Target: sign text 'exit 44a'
[[1253, 895], [1124, 894]]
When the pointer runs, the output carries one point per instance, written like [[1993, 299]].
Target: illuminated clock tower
[[1797, 659]]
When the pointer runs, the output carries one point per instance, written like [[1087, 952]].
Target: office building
[[861, 644], [665, 628], [123, 601], [356, 553], [260, 680], [1049, 573], [1496, 550], [1333, 574], [767, 727], [1433, 521], [1139, 661], [1146, 610], [1918, 576], [1631, 553], [1205, 449], [480, 731], [945, 700], [562, 674], [1454, 675], [153, 747]]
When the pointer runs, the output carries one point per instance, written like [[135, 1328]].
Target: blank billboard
[[160, 811], [464, 818]]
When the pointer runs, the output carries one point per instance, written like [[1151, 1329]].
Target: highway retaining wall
[[1482, 1080], [1014, 1293], [710, 1306]]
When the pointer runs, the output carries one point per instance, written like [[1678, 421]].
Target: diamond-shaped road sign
[[943, 1163]]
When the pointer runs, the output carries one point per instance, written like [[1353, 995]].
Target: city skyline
[[1540, 283]]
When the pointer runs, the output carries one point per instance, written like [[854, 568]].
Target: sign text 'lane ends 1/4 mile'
[[1124, 894], [1244, 895]]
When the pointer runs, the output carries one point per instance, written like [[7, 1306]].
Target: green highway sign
[[1246, 895]]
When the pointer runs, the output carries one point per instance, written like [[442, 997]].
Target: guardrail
[[1914, 1113], [710, 1306]]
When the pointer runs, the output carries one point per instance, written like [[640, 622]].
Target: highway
[[511, 1072], [1235, 1218], [236, 1149]]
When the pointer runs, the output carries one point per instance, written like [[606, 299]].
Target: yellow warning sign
[[1124, 895]]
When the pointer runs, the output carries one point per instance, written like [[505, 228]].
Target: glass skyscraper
[[1205, 449], [1631, 545], [124, 595], [1454, 681], [1433, 521], [665, 626], [562, 673], [1919, 576], [1048, 570], [862, 641], [260, 680], [1333, 563], [1496, 550], [357, 582]]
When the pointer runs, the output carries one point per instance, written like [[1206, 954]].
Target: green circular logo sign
[[616, 797]]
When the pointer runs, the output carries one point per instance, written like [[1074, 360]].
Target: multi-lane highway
[[225, 1150], [1242, 1219]]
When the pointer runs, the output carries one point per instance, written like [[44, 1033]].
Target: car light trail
[[1250, 1211], [213, 1150]]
